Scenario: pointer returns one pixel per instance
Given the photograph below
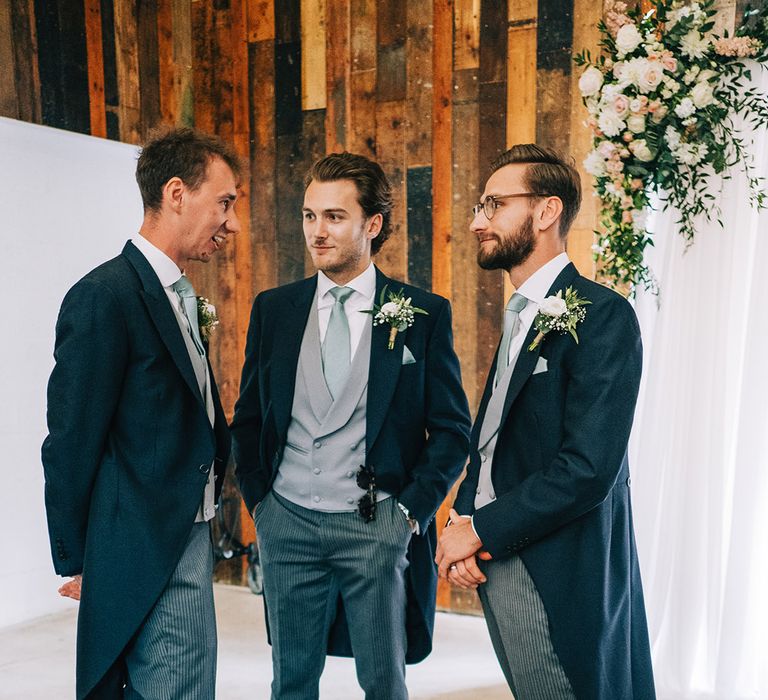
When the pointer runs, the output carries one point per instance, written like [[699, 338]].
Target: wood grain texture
[[26, 65], [466, 35], [521, 83], [127, 67], [8, 100], [313, 71], [93, 41], [338, 75], [361, 129]]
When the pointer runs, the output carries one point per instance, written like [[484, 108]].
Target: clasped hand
[[457, 553]]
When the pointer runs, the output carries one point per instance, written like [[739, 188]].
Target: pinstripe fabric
[[310, 556], [174, 655], [519, 629]]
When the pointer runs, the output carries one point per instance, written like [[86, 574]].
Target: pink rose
[[626, 217], [621, 105]]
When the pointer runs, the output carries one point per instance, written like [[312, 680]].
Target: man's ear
[[173, 193], [374, 225], [548, 213]]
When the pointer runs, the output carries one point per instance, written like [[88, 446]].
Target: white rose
[[591, 81], [702, 94], [610, 123], [672, 137], [390, 308], [553, 306], [650, 78], [636, 123], [594, 164], [640, 150], [628, 39], [686, 108]]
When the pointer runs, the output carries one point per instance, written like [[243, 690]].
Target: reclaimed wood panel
[[313, 54], [109, 56], [261, 21], [466, 37], [338, 75], [390, 153], [8, 101], [93, 40], [26, 61], [149, 73], [521, 83], [361, 129], [127, 69], [419, 226]]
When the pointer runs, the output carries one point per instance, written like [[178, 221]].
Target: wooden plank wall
[[433, 89]]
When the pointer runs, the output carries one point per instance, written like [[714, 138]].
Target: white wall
[[67, 203]]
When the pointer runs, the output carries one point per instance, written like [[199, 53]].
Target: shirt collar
[[166, 270], [364, 284], [535, 288]]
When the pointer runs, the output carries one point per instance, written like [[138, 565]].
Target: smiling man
[[138, 443], [345, 446], [542, 523]]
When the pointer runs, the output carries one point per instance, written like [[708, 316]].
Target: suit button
[[316, 470], [204, 468], [353, 447], [350, 474], [350, 500], [317, 499], [484, 458], [629, 481], [318, 444]]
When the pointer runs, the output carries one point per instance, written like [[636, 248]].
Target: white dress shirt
[[360, 300], [168, 273], [534, 289]]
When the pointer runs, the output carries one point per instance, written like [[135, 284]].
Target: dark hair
[[178, 152], [374, 193], [548, 172]]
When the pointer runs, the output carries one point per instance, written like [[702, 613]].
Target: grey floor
[[37, 659]]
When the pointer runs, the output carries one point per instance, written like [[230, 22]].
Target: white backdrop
[[699, 451], [68, 202]]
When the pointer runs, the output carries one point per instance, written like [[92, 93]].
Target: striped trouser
[[173, 656], [519, 629], [309, 557]]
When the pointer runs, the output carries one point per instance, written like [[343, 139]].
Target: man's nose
[[233, 222]]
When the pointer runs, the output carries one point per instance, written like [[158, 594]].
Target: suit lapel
[[526, 360], [162, 316], [289, 324], [384, 369]]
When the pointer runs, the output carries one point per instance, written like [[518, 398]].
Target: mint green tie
[[336, 346], [515, 305], [183, 287]]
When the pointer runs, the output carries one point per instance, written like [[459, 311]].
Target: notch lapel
[[289, 324], [526, 360], [384, 369], [159, 309]]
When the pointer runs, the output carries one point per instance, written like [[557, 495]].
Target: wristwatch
[[411, 520]]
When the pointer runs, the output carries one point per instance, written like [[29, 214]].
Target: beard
[[511, 250]]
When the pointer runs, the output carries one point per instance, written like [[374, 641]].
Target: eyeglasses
[[366, 480], [491, 203]]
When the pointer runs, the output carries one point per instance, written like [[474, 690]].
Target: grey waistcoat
[[325, 442], [206, 511], [489, 432]]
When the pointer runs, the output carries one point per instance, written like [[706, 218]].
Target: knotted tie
[[512, 311], [336, 346], [183, 287]]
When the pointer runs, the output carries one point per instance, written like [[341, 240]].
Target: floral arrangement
[[661, 99], [559, 314], [398, 312], [207, 318]]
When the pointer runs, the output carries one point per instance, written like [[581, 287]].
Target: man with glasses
[[350, 428], [542, 523]]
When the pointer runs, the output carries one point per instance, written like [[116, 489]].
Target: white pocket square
[[541, 365], [408, 358]]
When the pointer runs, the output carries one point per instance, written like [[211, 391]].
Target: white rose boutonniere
[[207, 319], [559, 313], [398, 312]]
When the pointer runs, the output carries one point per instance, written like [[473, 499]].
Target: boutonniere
[[559, 314], [398, 312], [207, 319]]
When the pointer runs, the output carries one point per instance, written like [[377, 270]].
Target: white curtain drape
[[699, 450]]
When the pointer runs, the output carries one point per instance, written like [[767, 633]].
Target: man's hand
[[71, 589], [458, 542], [466, 573]]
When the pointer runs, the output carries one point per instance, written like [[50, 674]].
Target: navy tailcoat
[[417, 424], [561, 477], [127, 455]]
